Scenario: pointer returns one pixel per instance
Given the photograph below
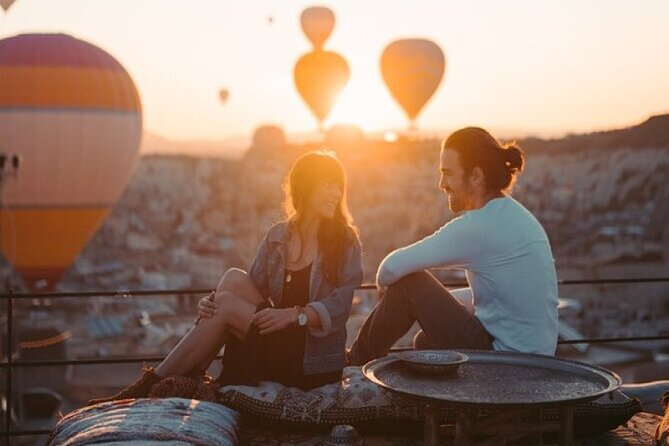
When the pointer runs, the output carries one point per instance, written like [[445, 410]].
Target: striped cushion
[[146, 421]]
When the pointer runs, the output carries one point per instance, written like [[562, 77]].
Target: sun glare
[[367, 106], [390, 136]]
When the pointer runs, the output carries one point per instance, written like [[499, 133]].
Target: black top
[[277, 356]]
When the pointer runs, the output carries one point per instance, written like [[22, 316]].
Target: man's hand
[[270, 320]]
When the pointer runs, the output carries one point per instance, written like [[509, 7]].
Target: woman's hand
[[207, 308], [270, 320]]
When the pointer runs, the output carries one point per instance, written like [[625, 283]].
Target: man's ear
[[477, 177]]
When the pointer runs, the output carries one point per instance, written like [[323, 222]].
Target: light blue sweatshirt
[[509, 266]]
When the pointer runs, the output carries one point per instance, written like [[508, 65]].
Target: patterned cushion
[[356, 400], [147, 421]]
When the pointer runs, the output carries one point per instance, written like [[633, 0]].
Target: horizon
[[547, 70], [236, 146]]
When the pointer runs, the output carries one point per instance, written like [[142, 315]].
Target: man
[[500, 245]]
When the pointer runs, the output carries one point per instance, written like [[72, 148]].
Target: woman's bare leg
[[237, 299], [239, 283]]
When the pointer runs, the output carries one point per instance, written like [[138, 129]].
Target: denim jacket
[[325, 345]]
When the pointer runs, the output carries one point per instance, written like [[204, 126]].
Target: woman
[[286, 320]]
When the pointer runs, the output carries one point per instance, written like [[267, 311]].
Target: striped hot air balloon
[[73, 115]]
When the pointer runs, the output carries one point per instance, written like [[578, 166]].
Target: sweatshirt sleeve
[[454, 245]]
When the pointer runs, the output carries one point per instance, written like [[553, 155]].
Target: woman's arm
[[334, 309]]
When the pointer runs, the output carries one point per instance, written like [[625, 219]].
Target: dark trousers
[[445, 323]]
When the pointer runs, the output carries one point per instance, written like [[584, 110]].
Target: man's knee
[[412, 279], [405, 287]]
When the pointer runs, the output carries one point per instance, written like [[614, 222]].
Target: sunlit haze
[[516, 66]]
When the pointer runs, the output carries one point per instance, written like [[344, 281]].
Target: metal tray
[[499, 379]]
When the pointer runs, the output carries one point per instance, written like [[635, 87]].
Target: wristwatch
[[301, 317]]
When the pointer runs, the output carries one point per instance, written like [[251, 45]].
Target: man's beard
[[457, 203]]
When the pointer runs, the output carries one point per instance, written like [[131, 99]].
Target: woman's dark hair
[[310, 170], [500, 163]]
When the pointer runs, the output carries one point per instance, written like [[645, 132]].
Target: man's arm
[[455, 244]]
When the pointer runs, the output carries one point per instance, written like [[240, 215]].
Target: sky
[[531, 67]]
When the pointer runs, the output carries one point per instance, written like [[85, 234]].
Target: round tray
[[499, 379], [433, 361]]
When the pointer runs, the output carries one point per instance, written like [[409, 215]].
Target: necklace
[[289, 273]]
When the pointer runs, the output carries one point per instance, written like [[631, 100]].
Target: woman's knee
[[237, 281], [233, 278]]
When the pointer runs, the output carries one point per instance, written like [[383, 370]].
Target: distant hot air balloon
[[73, 114], [412, 70], [223, 95], [319, 77], [6, 4], [317, 23]]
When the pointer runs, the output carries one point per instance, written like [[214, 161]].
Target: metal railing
[[8, 364]]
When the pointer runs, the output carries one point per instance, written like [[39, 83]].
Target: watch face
[[302, 319]]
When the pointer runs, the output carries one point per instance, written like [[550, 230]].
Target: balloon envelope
[[412, 70], [319, 77], [6, 4], [223, 95], [73, 114], [317, 23]]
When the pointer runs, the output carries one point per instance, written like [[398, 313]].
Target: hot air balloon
[[319, 77], [223, 95], [317, 23], [73, 114], [412, 70], [6, 4]]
